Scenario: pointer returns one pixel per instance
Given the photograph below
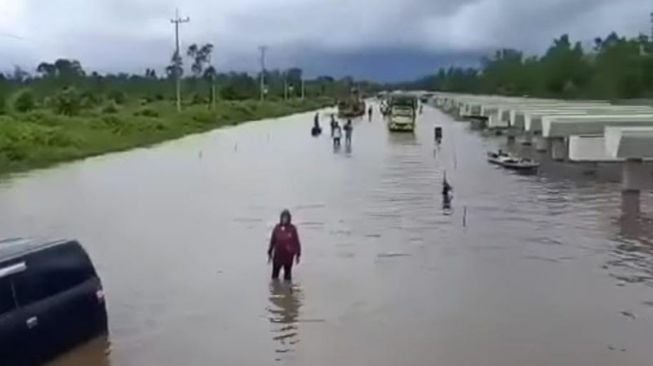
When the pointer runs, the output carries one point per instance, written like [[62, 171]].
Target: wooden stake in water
[[465, 216]]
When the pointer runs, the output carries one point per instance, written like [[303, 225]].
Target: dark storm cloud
[[130, 35]]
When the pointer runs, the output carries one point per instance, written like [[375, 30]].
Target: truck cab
[[402, 113]]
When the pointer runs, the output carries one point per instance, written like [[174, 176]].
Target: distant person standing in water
[[334, 123], [349, 129], [369, 113], [284, 247], [316, 130], [337, 135]]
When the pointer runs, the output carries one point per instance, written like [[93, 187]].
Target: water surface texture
[[552, 269]]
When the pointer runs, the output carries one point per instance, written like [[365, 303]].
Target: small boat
[[497, 157], [512, 162]]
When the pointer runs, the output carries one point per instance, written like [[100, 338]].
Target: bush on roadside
[[118, 96], [198, 99], [3, 103], [6, 119], [67, 102], [38, 117], [110, 108], [146, 112], [23, 101], [90, 100]]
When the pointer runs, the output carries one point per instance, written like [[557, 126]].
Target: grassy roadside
[[41, 138]]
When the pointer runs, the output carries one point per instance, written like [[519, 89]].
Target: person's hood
[[285, 212]]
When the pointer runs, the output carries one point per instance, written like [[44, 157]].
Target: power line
[[177, 21]]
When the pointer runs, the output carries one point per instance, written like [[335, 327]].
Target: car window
[[7, 302], [52, 271]]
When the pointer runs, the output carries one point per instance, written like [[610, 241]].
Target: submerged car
[[51, 300]]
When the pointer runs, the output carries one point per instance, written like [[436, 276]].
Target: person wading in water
[[337, 135], [284, 247], [349, 129]]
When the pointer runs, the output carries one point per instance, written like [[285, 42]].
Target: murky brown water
[[548, 270]]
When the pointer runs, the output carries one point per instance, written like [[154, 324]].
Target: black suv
[[51, 300]]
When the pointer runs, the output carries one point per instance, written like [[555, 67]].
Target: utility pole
[[177, 21], [303, 87], [651, 39], [285, 85], [213, 96], [262, 50]]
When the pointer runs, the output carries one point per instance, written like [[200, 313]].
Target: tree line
[[66, 87], [615, 67]]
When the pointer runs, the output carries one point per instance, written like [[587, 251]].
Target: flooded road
[[547, 270]]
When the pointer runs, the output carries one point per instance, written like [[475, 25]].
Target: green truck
[[352, 106]]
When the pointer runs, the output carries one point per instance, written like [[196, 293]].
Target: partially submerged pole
[[465, 216]]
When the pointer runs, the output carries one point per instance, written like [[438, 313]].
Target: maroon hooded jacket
[[284, 244]]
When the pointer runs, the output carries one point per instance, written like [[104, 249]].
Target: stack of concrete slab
[[583, 131]]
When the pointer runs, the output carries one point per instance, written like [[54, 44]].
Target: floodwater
[[552, 269]]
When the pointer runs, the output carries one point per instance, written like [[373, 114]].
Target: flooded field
[[542, 270]]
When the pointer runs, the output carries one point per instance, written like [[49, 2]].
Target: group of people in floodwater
[[336, 130], [285, 249]]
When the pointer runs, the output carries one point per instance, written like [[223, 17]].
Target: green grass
[[40, 138]]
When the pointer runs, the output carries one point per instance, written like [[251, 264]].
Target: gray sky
[[130, 35]]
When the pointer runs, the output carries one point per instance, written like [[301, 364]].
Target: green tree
[[176, 67], [24, 101], [68, 101]]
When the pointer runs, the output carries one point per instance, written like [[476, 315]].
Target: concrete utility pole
[[262, 50], [651, 39], [213, 96], [177, 21], [285, 85], [303, 87]]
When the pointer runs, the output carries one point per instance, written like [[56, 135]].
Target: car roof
[[16, 247]]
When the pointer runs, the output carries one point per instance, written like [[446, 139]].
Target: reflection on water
[[632, 261], [403, 138], [446, 204], [95, 353], [284, 307]]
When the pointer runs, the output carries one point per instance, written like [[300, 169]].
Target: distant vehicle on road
[[51, 300], [352, 106], [402, 112]]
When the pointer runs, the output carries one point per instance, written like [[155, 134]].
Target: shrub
[[67, 102], [90, 100], [146, 112], [3, 103], [159, 96], [5, 119], [118, 96], [197, 99], [110, 108], [23, 101]]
